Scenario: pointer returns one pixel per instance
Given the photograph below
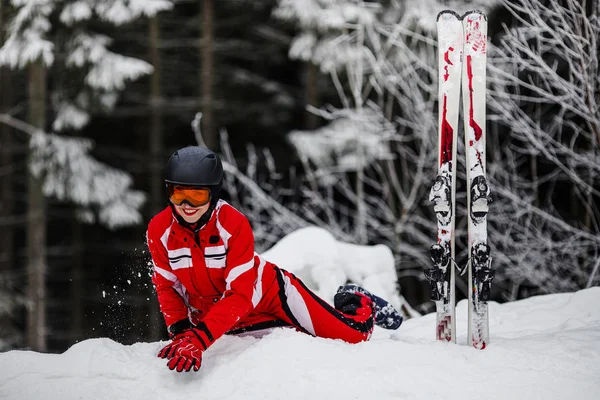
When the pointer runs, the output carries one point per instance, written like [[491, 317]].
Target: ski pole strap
[[462, 271]]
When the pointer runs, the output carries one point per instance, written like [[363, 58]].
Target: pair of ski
[[462, 65]]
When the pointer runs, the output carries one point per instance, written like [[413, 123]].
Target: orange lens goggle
[[195, 197]]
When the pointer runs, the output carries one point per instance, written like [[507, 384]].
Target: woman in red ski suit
[[210, 281]]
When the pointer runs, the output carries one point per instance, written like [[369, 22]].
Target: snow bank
[[324, 264], [544, 347]]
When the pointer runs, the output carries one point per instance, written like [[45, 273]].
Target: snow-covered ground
[[545, 347]]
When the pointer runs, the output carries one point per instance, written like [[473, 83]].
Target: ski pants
[[288, 302]]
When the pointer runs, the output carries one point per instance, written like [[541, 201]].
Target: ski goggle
[[194, 196]]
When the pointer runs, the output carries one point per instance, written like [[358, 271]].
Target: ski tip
[[448, 13], [474, 12]]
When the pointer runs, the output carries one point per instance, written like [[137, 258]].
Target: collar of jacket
[[201, 222]]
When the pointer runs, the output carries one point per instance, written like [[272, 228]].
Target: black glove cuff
[[179, 327]]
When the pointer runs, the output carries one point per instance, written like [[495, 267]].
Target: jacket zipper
[[197, 240]]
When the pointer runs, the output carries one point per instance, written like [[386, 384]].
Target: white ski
[[441, 276], [478, 191], [462, 43]]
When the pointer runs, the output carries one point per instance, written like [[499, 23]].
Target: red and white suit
[[213, 277]]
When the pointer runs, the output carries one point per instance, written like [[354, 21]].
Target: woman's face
[[191, 214]]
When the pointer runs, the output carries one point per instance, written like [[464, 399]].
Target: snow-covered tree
[[71, 67], [58, 33], [545, 97], [381, 59]]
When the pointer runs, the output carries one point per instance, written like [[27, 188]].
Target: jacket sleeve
[[242, 291], [165, 282]]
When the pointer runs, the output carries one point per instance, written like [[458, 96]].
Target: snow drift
[[546, 347]]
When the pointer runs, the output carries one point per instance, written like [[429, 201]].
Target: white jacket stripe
[[258, 291], [237, 271], [177, 253], [165, 274], [212, 250], [165, 237], [222, 231]]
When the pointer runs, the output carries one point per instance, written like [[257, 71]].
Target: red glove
[[185, 350], [186, 357]]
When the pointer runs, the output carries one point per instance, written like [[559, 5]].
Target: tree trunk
[[311, 121], [36, 221], [77, 281], [6, 192], [209, 133], [7, 328], [155, 146]]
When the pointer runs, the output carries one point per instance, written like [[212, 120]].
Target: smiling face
[[191, 214]]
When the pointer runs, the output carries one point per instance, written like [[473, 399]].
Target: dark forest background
[[98, 280]]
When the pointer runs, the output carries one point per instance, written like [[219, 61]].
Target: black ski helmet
[[196, 166]]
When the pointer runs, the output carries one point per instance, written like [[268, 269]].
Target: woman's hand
[[184, 352]]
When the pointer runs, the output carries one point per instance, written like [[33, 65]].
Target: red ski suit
[[213, 277]]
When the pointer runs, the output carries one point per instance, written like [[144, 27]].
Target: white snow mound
[[546, 347]]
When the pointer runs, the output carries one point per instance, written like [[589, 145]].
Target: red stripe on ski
[[472, 123], [447, 135], [448, 62], [444, 329], [478, 343], [480, 40]]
